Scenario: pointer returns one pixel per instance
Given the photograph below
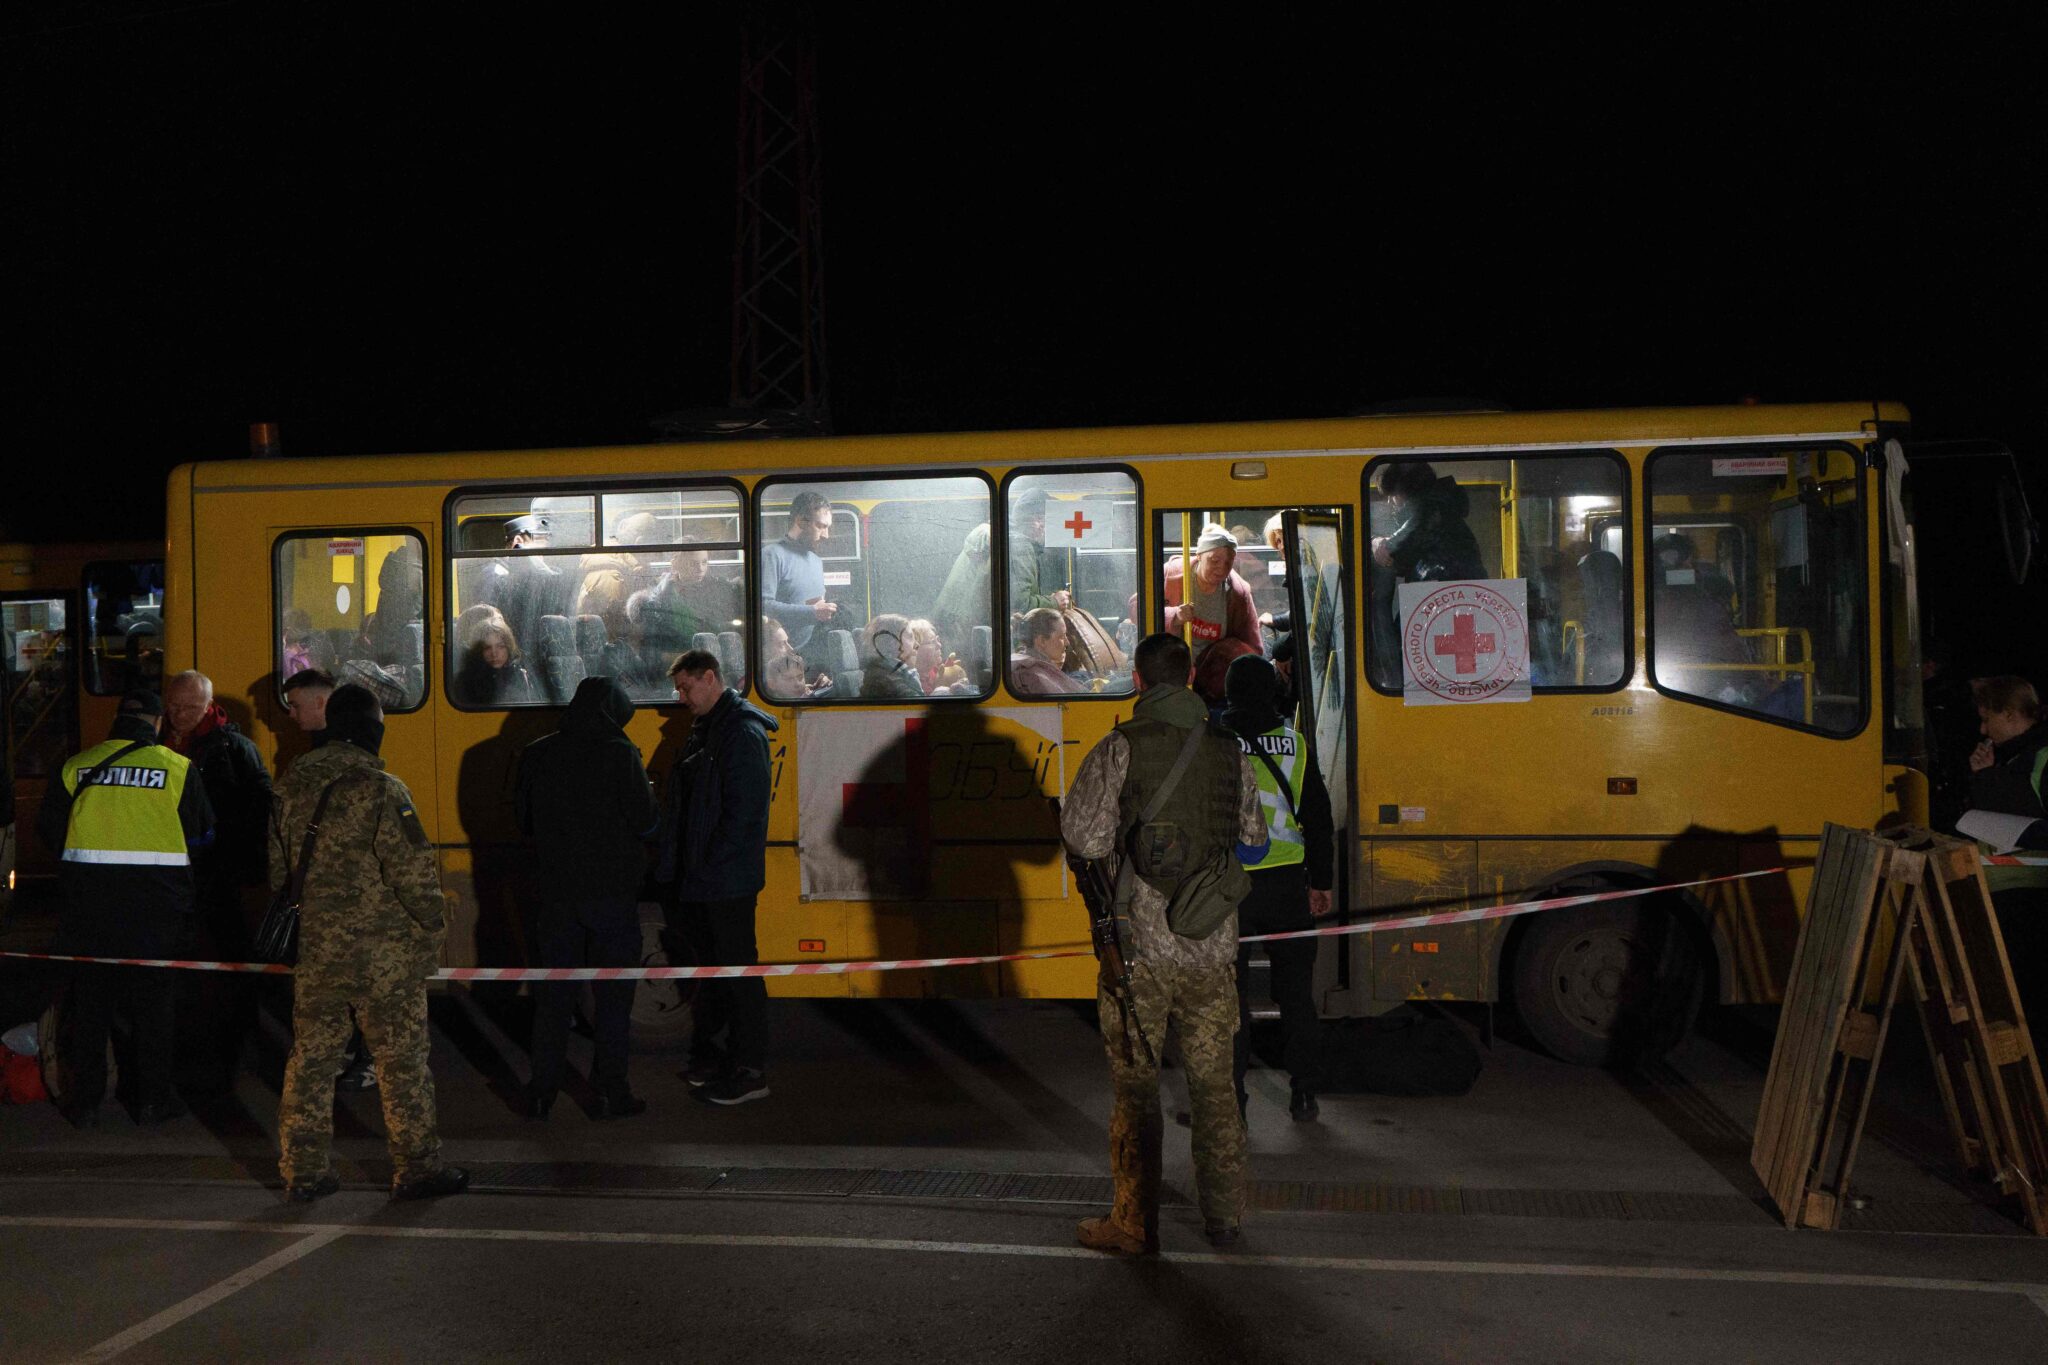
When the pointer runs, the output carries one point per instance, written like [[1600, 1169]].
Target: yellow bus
[[79, 625], [1710, 612]]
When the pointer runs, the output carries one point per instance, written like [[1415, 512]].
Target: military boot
[[1132, 1224]]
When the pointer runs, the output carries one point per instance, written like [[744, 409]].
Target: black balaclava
[[353, 717]]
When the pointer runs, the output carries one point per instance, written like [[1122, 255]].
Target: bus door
[[39, 679], [1318, 593]]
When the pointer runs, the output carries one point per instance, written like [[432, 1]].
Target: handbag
[[277, 937]]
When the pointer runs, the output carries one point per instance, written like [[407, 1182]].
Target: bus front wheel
[[1608, 984]]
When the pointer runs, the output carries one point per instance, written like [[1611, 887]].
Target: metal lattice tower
[[778, 266]]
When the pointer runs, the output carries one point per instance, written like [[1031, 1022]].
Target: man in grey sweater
[[793, 574]]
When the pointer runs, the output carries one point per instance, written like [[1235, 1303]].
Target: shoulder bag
[[277, 937]]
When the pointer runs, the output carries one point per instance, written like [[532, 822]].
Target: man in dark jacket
[[1433, 543], [125, 815], [224, 874], [584, 800], [713, 865]]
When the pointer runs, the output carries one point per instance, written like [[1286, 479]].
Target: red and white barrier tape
[[2011, 860], [1375, 926]]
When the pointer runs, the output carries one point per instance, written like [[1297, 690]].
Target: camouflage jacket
[[373, 891], [1088, 824]]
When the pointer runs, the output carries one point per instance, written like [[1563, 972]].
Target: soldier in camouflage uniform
[[370, 933], [1189, 983]]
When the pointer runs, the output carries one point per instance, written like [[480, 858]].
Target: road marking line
[[2036, 1293], [207, 1298]]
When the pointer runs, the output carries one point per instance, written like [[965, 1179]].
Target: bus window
[[556, 587], [124, 619], [40, 686], [1557, 522], [353, 603], [1756, 573], [1072, 566], [854, 577]]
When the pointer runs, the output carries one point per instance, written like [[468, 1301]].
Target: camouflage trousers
[[392, 1010], [1201, 1004]]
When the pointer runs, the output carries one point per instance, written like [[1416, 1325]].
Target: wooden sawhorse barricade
[[1939, 938]]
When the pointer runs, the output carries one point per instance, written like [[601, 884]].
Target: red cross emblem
[[1078, 524], [1464, 644]]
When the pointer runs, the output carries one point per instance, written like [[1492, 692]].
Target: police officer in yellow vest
[[1291, 884], [126, 814]]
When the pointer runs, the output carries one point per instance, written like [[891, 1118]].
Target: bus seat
[[733, 655], [1127, 636], [591, 639], [705, 641], [412, 644], [842, 661], [557, 664], [981, 655]]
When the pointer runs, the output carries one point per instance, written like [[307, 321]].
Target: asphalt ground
[[909, 1192]]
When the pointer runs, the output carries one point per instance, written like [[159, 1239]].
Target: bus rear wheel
[[1609, 984]]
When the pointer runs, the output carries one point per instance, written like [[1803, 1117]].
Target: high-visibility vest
[[127, 815], [1284, 746]]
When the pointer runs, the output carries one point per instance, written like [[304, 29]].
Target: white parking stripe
[[2035, 1293], [207, 1298]]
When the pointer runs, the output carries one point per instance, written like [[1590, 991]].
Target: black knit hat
[[142, 702]]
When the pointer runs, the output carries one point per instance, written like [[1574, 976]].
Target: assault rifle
[[1097, 884]]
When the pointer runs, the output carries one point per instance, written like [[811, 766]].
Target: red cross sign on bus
[[1082, 524], [1464, 642]]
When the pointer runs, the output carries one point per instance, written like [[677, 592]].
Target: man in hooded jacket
[[713, 865], [583, 799], [371, 924]]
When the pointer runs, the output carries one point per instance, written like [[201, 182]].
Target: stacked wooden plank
[[1904, 906], [1824, 1059], [1990, 1077]]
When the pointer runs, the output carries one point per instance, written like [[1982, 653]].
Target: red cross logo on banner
[[1078, 524], [1464, 644]]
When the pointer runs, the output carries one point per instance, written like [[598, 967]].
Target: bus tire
[[1608, 984]]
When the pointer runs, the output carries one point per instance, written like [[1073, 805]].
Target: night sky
[[418, 228]]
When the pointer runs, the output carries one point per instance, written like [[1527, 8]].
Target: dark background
[[427, 227]]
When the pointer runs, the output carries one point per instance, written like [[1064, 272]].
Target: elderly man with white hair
[[228, 876]]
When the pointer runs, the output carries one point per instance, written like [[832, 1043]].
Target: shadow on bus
[[933, 836], [493, 923]]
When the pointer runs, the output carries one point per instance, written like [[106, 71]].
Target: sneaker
[[357, 1076], [84, 1117], [447, 1180], [707, 1072], [1106, 1234], [1302, 1106], [738, 1088], [1221, 1234], [305, 1192]]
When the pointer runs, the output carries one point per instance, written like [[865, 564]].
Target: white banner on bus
[[921, 804], [1464, 642]]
